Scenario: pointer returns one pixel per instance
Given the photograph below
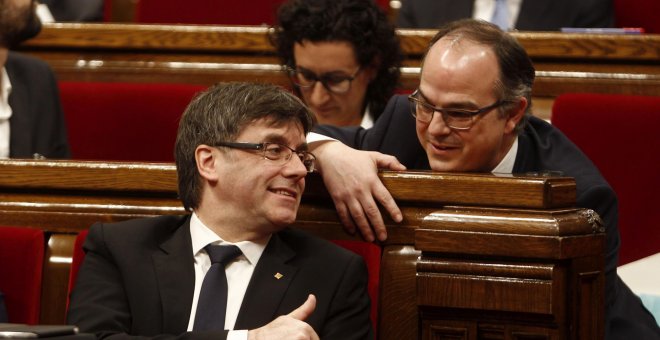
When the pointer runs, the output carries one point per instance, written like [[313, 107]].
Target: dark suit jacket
[[535, 15], [137, 279], [3, 310], [75, 10], [541, 147], [37, 124]]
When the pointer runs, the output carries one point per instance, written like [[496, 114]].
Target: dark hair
[[360, 22], [220, 114], [516, 70]]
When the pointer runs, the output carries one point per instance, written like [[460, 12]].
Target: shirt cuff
[[238, 335]]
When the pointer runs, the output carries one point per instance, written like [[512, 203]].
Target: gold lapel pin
[[278, 276]]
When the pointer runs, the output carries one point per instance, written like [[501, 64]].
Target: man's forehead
[[269, 129]]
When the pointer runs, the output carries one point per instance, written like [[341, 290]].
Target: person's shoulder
[[24, 60], [140, 229]]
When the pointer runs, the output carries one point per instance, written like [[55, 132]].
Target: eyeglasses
[[457, 119], [278, 153], [334, 82]]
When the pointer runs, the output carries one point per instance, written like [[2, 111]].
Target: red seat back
[[220, 12], [638, 13], [371, 254], [21, 266], [124, 121], [619, 134], [76, 261]]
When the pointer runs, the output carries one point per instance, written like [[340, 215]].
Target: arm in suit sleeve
[[349, 310], [595, 13], [54, 124], [99, 303]]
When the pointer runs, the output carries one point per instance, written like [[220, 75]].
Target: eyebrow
[[279, 139], [325, 74], [453, 106]]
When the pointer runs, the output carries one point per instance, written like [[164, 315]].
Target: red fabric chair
[[76, 261], [219, 12], [223, 12], [371, 254], [638, 13], [369, 251], [619, 134], [124, 121], [21, 266]]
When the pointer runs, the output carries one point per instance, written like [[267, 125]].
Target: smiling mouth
[[284, 192]]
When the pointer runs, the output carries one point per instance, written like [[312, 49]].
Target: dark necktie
[[212, 303]]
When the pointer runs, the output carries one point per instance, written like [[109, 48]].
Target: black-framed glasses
[[278, 153], [457, 119], [335, 82]]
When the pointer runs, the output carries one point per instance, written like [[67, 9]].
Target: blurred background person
[[31, 120], [342, 57], [71, 10], [524, 15]]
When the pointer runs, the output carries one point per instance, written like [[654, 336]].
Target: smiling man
[[241, 159], [472, 113]]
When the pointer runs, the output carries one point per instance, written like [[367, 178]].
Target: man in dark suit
[[241, 163], [31, 119], [472, 113], [533, 15]]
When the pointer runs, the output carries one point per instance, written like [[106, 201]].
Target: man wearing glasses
[[472, 113], [342, 57], [233, 264]]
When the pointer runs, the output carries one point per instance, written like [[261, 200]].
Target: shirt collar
[[202, 236], [367, 119], [5, 91], [506, 164]]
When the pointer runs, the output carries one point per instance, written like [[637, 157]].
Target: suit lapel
[[21, 117], [270, 281], [175, 273]]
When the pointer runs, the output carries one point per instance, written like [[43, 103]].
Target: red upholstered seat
[[76, 261], [371, 254], [619, 133], [124, 121], [21, 265], [638, 13], [219, 12]]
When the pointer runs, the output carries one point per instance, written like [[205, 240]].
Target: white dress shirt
[[483, 9], [506, 164], [239, 271], [5, 113]]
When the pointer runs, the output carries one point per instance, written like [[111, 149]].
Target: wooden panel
[[208, 54]]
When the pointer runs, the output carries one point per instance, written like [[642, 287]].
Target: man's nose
[[438, 126]]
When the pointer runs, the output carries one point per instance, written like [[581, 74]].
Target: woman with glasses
[[342, 57]]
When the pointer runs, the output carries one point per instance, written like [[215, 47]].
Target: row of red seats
[[22, 258], [629, 13], [138, 122]]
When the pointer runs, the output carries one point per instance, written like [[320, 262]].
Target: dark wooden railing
[[476, 256], [209, 54]]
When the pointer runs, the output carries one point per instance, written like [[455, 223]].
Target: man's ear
[[516, 114], [206, 160]]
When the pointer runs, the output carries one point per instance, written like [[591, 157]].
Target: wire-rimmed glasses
[[458, 119], [275, 152]]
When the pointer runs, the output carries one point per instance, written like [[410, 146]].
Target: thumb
[[388, 162], [305, 310]]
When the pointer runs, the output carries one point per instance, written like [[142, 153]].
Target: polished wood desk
[[476, 256], [208, 54]]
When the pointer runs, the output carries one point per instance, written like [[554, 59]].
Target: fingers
[[388, 162], [305, 310]]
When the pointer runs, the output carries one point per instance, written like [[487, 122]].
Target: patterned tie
[[212, 303], [501, 15]]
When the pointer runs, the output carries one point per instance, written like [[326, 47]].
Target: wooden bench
[[476, 256], [628, 64]]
